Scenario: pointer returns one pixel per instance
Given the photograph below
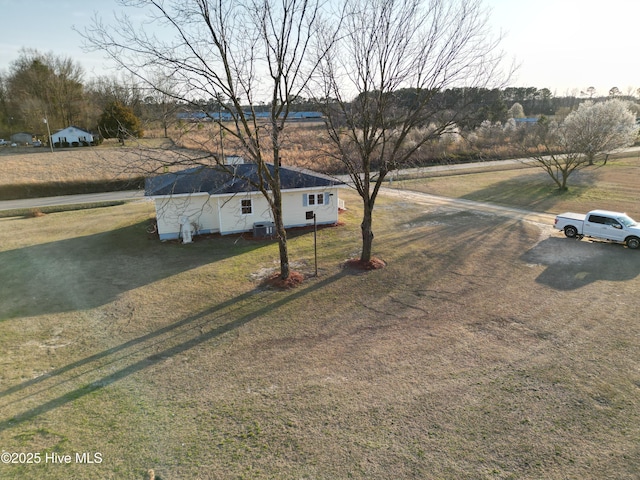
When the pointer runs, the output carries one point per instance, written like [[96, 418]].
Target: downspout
[[219, 215]]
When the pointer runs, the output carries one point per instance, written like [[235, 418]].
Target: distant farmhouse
[[213, 200], [72, 137]]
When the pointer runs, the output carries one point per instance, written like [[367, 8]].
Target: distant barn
[[526, 120], [227, 117]]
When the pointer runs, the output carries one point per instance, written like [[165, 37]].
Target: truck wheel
[[633, 242], [571, 231]]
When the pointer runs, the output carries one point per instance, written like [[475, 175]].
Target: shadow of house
[[572, 264], [89, 271]]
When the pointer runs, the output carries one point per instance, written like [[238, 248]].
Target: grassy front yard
[[614, 185], [474, 354]]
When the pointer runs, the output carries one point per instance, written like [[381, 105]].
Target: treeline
[[478, 105], [39, 86], [474, 106]]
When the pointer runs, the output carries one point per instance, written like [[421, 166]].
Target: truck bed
[[573, 216]]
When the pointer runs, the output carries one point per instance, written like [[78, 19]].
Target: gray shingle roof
[[219, 180]]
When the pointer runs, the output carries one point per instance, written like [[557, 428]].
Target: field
[[33, 167], [488, 348]]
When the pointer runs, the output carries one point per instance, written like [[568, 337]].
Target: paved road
[[139, 195], [71, 199]]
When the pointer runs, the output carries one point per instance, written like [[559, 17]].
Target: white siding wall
[[295, 208], [201, 210], [224, 214], [234, 221]]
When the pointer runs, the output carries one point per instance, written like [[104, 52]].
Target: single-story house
[[224, 200], [72, 137]]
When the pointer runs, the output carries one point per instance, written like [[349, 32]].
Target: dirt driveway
[[470, 205], [570, 263]]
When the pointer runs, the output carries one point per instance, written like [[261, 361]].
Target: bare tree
[[161, 104], [586, 133], [124, 89], [384, 81], [40, 85], [234, 54], [549, 145]]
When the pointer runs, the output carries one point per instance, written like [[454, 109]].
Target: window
[[627, 221], [246, 207], [315, 199]]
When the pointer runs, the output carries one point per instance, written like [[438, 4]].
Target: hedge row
[[54, 189]]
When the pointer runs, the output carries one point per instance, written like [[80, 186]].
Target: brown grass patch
[[35, 213]]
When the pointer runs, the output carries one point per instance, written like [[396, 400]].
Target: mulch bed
[[357, 264], [294, 279]]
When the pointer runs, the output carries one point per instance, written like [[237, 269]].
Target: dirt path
[[427, 199]]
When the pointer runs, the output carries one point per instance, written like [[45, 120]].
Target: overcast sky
[[563, 45]]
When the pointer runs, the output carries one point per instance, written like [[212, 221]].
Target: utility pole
[[315, 242], [48, 132], [312, 215]]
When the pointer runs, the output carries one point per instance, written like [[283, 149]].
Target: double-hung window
[[246, 206], [313, 199]]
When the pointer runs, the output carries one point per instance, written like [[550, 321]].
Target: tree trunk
[[367, 233], [563, 187], [281, 234], [284, 253]]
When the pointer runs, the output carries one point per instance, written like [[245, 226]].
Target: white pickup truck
[[603, 224]]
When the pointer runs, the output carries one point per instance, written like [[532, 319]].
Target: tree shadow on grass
[[133, 356], [533, 190], [572, 264], [88, 271]]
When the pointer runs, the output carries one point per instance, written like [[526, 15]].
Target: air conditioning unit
[[264, 230]]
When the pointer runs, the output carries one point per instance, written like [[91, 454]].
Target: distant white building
[[72, 137]]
